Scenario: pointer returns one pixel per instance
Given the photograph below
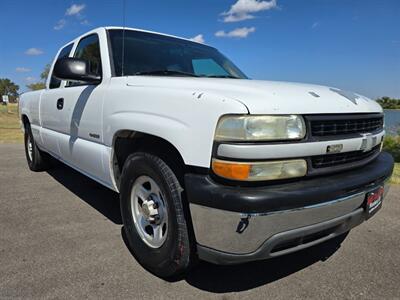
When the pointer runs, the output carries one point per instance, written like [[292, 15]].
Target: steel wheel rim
[[149, 211], [30, 148]]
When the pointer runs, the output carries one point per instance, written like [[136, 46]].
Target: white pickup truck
[[209, 164]]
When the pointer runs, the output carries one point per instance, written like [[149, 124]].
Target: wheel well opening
[[127, 142], [24, 120]]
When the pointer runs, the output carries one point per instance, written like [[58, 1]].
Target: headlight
[[257, 171], [260, 128]]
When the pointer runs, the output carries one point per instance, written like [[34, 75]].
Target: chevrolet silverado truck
[[208, 163]]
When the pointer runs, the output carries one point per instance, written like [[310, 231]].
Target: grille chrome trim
[[257, 151], [330, 160], [342, 125]]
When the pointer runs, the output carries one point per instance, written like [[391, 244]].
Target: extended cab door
[[82, 115], [50, 109]]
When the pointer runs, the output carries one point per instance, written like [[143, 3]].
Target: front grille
[[331, 160], [344, 125]]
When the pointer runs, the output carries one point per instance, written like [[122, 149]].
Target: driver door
[[50, 113], [81, 119]]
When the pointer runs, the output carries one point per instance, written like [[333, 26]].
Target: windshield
[[154, 54]]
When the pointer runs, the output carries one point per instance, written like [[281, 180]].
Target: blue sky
[[350, 44]]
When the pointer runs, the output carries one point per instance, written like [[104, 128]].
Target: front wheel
[[153, 215], [37, 159]]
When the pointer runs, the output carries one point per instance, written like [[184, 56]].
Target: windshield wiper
[[166, 73], [222, 76]]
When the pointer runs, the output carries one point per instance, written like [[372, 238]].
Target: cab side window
[[55, 82], [89, 50]]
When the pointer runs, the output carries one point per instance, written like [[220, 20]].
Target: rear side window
[[54, 82], [89, 50]]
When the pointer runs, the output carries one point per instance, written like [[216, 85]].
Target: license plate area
[[373, 201]]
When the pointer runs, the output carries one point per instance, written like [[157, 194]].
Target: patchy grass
[[10, 131], [391, 144], [396, 174]]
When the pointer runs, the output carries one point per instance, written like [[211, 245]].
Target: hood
[[268, 97]]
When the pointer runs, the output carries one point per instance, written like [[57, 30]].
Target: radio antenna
[[123, 36]]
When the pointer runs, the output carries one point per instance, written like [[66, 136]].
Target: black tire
[[173, 257], [38, 160]]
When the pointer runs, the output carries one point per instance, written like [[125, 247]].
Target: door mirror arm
[[90, 78]]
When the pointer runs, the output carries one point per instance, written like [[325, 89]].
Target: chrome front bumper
[[234, 224], [238, 233]]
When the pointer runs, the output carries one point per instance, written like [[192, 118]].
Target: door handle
[[60, 103]]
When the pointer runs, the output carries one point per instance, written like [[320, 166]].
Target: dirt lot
[[60, 237]]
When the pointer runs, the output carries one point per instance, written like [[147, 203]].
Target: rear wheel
[[153, 215], [37, 159]]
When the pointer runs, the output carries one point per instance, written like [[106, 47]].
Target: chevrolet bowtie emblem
[[368, 142]]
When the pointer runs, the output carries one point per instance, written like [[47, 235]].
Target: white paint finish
[[106, 161], [78, 126], [84, 154], [49, 141], [159, 107], [274, 151], [265, 97], [181, 110], [95, 177], [36, 132], [81, 118], [51, 117], [29, 106]]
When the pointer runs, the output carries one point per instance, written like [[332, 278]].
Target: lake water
[[392, 121]]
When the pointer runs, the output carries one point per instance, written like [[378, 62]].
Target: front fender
[[185, 120]]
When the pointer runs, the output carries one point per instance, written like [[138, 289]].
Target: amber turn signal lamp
[[234, 171]]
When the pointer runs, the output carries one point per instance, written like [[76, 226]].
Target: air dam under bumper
[[238, 224]]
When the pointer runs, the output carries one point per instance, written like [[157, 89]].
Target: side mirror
[[74, 69]]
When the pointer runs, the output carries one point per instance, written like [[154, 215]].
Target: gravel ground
[[60, 237]]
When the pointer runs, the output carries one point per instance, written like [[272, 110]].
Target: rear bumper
[[238, 224]]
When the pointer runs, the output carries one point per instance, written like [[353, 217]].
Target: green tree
[[45, 73], [42, 83], [7, 87], [36, 86], [389, 103]]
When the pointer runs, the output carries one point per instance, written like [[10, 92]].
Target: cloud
[[242, 32], [60, 24], [33, 51], [22, 69], [75, 9], [30, 79], [244, 9], [198, 38], [314, 25], [72, 12]]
